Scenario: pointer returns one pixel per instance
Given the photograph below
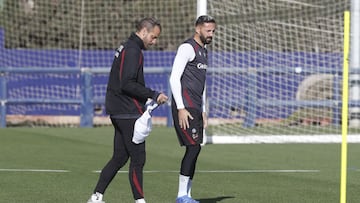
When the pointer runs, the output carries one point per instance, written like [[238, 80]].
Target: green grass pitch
[[255, 173]]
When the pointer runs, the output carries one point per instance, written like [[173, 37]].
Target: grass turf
[[225, 173]]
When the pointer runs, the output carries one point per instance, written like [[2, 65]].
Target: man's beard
[[205, 40]]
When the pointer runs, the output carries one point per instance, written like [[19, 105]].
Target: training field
[[49, 165]]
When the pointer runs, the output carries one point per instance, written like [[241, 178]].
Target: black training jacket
[[126, 93]]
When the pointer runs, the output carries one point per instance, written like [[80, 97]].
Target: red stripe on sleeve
[[138, 106], [122, 62]]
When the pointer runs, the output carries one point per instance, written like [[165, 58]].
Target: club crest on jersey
[[194, 134], [201, 53], [201, 66]]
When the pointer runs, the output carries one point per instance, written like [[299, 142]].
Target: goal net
[[276, 67]]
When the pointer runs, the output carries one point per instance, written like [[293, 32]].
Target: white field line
[[33, 170], [235, 171], [279, 139], [170, 171]]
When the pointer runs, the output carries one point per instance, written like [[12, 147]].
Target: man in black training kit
[[125, 99], [187, 81]]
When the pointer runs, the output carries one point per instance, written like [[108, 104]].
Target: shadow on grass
[[214, 199]]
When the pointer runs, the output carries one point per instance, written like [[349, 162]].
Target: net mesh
[[276, 66]]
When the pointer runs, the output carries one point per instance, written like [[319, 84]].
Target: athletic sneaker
[[186, 199], [96, 198]]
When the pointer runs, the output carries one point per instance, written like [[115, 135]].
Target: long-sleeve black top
[[126, 93]]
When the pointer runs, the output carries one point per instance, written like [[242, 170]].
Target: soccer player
[[126, 95], [187, 81]]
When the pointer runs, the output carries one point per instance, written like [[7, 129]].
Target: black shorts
[[194, 134]]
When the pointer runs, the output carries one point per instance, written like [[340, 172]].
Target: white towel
[[143, 125]]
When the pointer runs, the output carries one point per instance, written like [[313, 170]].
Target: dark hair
[[148, 23], [204, 19]]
